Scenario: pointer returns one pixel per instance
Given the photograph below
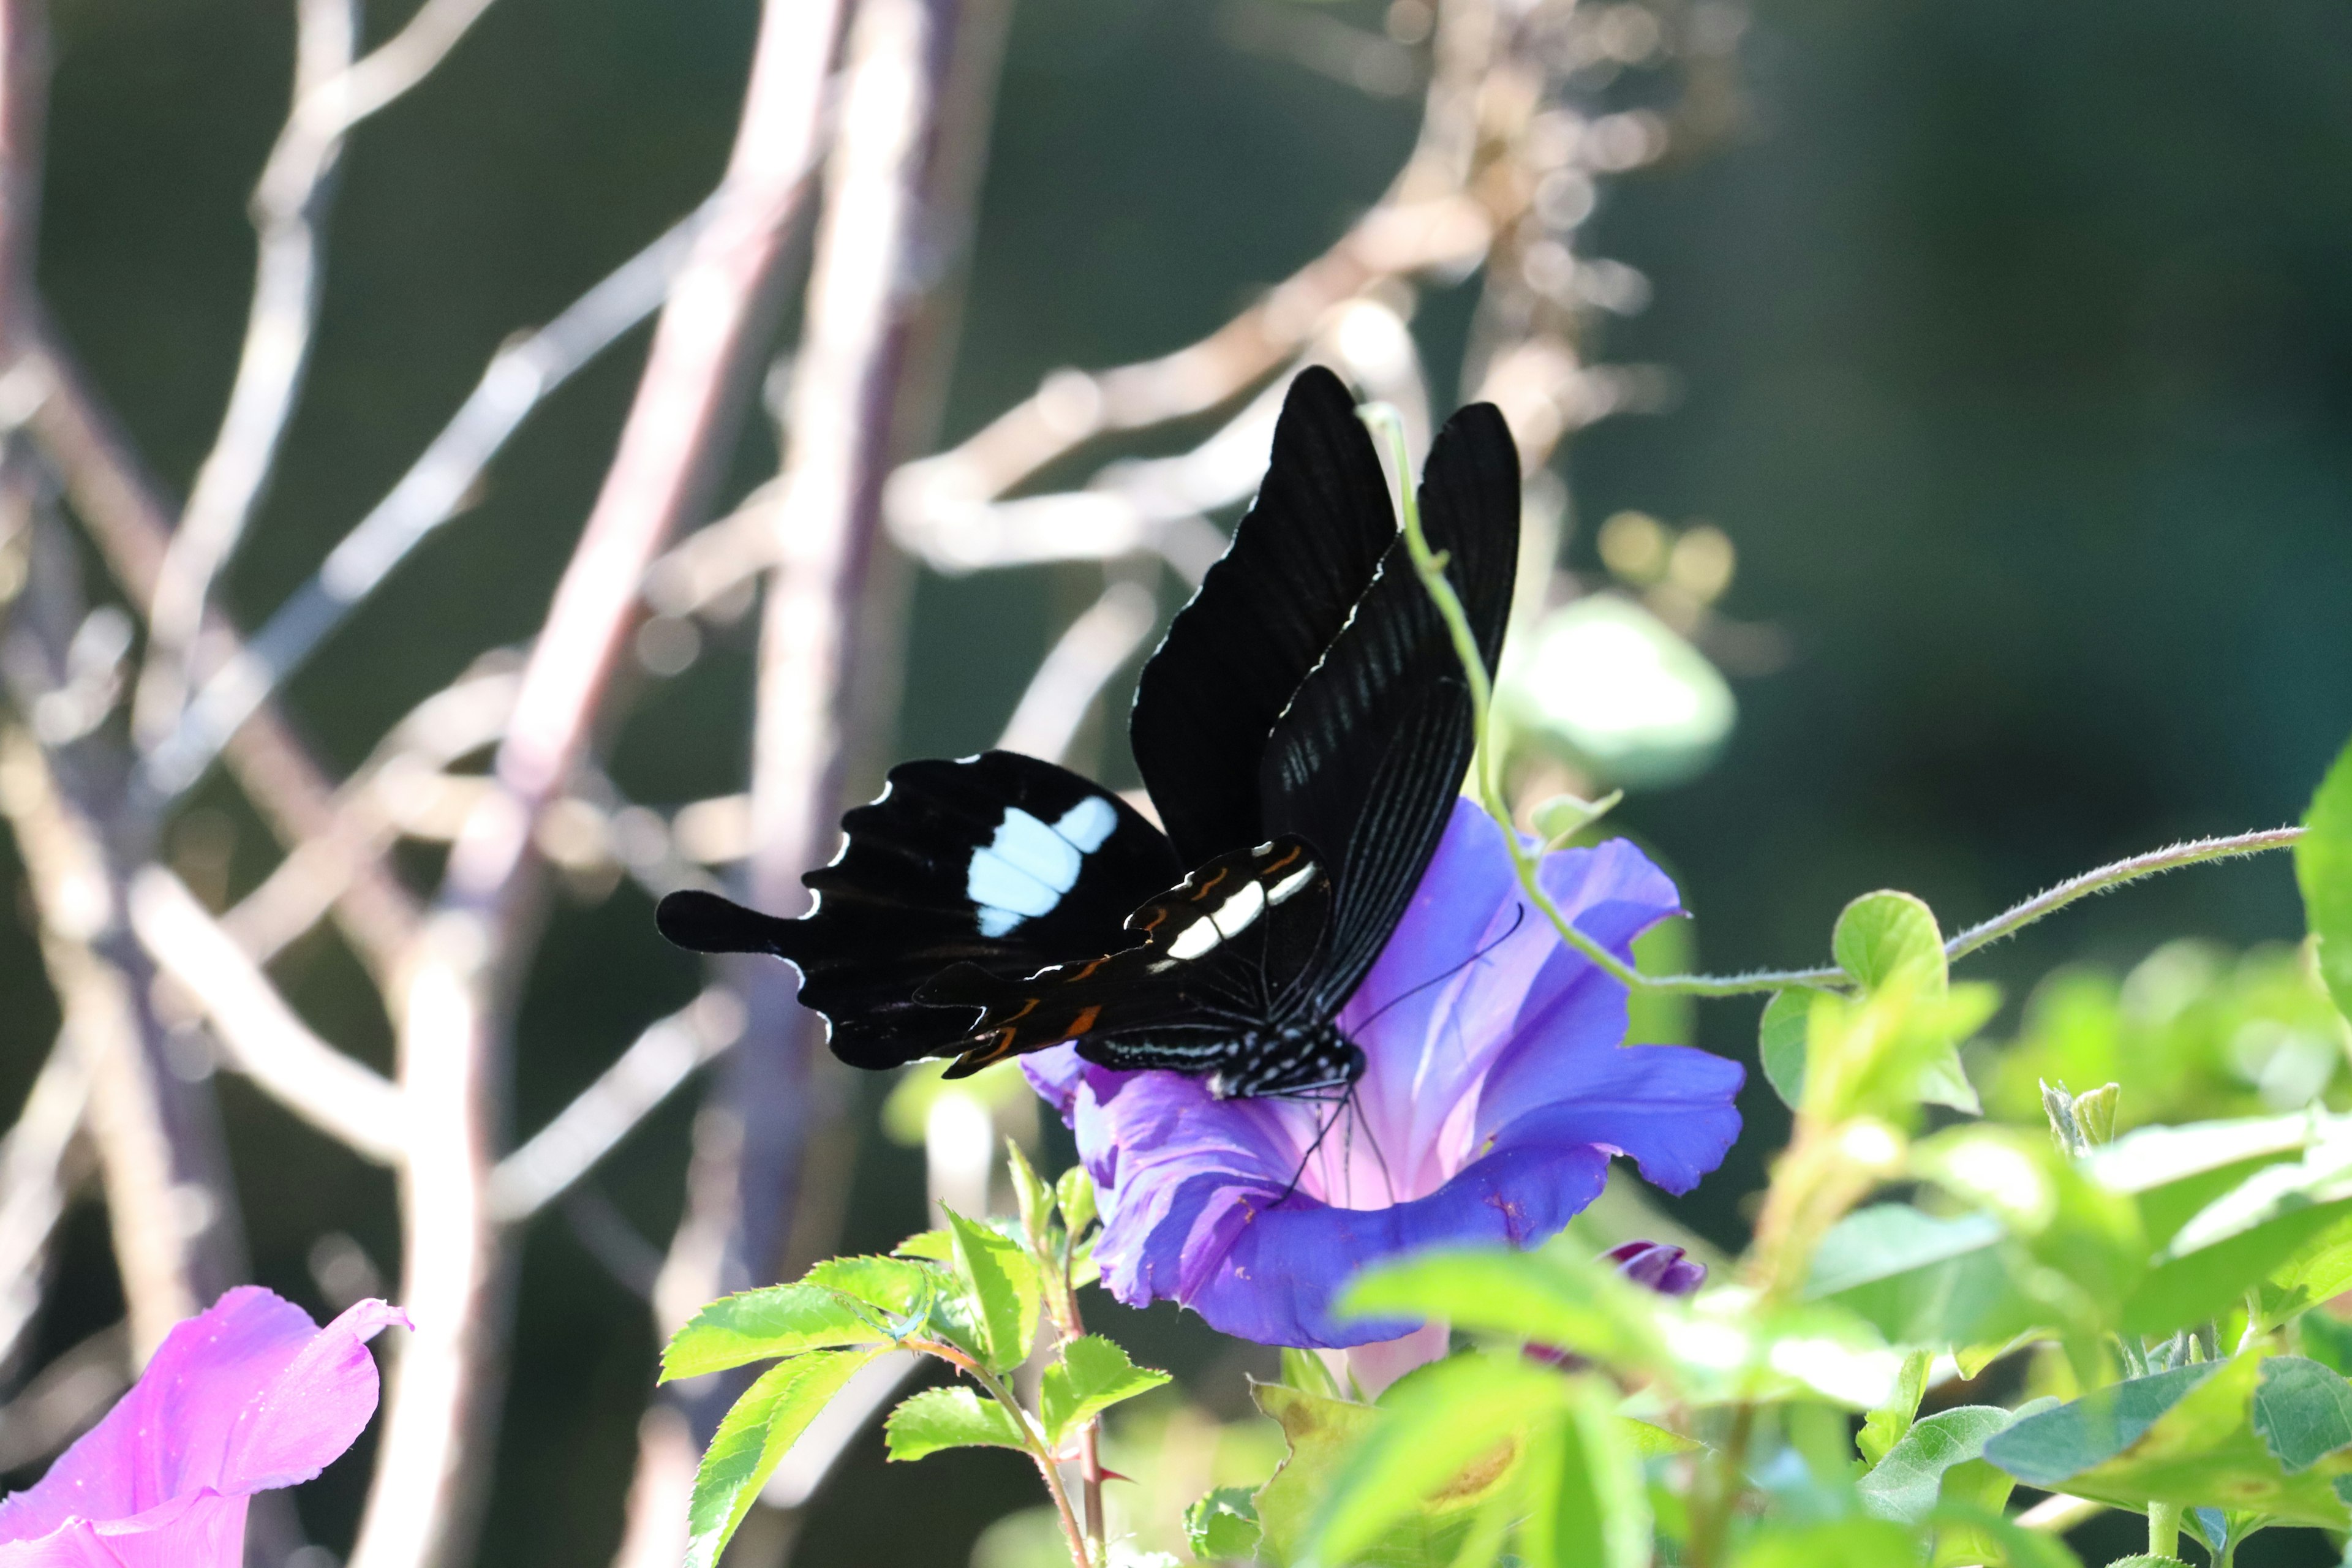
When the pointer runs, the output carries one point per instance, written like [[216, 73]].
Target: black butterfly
[[1303, 731]]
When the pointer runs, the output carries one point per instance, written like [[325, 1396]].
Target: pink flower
[[247, 1397]]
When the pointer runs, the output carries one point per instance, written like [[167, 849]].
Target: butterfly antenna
[[1518, 915], [1372, 1138]]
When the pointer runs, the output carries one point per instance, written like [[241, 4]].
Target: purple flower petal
[[1496, 1089], [247, 1397]]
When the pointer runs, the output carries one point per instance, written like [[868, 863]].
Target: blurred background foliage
[[2015, 355]]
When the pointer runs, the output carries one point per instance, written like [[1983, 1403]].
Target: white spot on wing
[[1233, 916], [1087, 823], [996, 922], [1291, 884], [1194, 941]]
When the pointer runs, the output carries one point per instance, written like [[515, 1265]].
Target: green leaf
[[1591, 1506], [2327, 1339], [937, 1246], [2176, 1172], [1909, 1483], [2095, 1113], [1446, 1437], [1883, 1427], [752, 1440], [941, 1419], [1847, 1543], [1984, 1536], [2087, 1239], [1223, 1526], [2319, 1271], [1001, 1281], [2056, 1446], [761, 1325], [1031, 1193], [1551, 1297], [1321, 1432], [1780, 1041], [1076, 1192], [2183, 1436], [1882, 935], [2322, 865], [898, 1286], [1092, 1375], [2301, 1412], [1309, 1373]]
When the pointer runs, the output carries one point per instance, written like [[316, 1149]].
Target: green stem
[[1081, 1554], [2164, 1530], [1430, 567]]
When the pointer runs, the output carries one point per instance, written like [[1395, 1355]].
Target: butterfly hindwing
[[1264, 614], [999, 860], [1224, 948]]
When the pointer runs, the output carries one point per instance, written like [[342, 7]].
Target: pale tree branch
[[439, 1411], [260, 1034], [290, 214], [129, 519], [1090, 650], [33, 1184], [520, 377], [624, 1095]]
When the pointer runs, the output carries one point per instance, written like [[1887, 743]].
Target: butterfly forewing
[[1218, 953], [1300, 560], [1366, 760], [998, 860]]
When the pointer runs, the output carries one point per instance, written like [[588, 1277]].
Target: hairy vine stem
[[1526, 859]]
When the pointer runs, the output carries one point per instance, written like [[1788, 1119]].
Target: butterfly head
[[1303, 1060]]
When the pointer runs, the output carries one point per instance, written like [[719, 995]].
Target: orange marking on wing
[[1205, 889], [1088, 968], [1083, 1022], [1293, 853], [1028, 1007]]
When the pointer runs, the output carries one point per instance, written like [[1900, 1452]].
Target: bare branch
[[24, 112], [445, 1389], [585, 1131], [389, 70], [130, 522], [290, 209], [1084, 658], [261, 1036], [65, 1398], [520, 377], [32, 1184]]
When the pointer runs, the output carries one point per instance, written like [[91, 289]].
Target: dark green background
[[2018, 347]]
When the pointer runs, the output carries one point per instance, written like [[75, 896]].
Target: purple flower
[[1661, 1267], [1497, 1089], [247, 1397]]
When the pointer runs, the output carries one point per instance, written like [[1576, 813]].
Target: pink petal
[[202, 1530]]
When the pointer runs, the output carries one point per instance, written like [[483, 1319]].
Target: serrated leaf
[[1091, 1376], [761, 1325], [1223, 1526], [2056, 1445], [753, 1438], [2301, 1412], [1881, 935], [1030, 1193], [899, 1287], [1909, 1483], [2323, 867], [937, 1246], [1001, 1281], [1319, 1432], [941, 1419], [1780, 1042], [1075, 1191], [1445, 1437]]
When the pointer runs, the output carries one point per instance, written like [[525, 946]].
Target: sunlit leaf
[[1589, 1507], [1884, 1427], [1548, 1298], [761, 1325], [2323, 865], [941, 1419], [1909, 1483], [1030, 1193], [753, 1438], [896, 1285], [1091, 1376], [1223, 1526], [1780, 1042], [2301, 1412], [1075, 1191], [1321, 1433], [1445, 1437], [1001, 1280], [1881, 935], [1846, 1543]]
